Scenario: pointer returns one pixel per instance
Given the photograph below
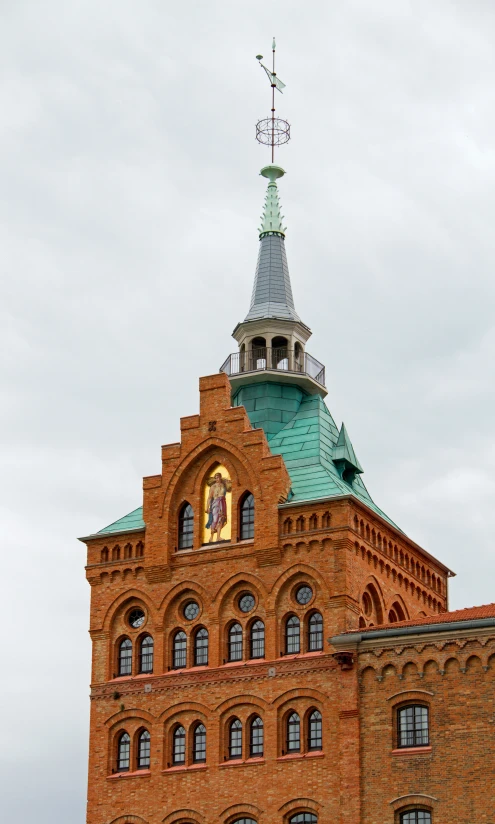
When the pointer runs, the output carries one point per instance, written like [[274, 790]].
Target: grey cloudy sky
[[129, 204]]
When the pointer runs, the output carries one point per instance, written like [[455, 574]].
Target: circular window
[[246, 602], [191, 610], [136, 618], [304, 594]]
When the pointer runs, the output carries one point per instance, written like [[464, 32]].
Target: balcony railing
[[286, 360]]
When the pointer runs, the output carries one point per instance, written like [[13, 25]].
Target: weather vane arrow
[[272, 131]]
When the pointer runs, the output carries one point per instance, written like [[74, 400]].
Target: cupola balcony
[[281, 365]]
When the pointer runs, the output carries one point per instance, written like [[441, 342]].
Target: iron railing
[[263, 358]]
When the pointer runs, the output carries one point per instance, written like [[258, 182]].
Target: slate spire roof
[[272, 291]]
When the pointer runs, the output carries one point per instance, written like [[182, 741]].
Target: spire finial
[[272, 131]]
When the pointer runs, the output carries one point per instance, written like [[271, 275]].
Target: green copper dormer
[[345, 459]]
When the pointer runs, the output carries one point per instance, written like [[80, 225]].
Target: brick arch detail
[[121, 599], [301, 803], [187, 706], [290, 695], [182, 815], [239, 577], [128, 714], [239, 700], [128, 819], [400, 600], [229, 813], [292, 572], [205, 449], [194, 586], [412, 798]]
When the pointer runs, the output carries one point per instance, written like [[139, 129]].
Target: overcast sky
[[130, 198]]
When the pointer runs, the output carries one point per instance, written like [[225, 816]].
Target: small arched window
[[179, 650], [104, 554], [244, 821], [304, 818], [293, 733], [201, 648], [125, 657], [235, 643], [179, 746], [314, 731], [315, 632], [412, 726], [235, 739], [123, 752], [292, 635], [199, 746], [146, 654], [247, 516], [416, 817], [257, 640], [186, 526], [256, 738], [144, 748]]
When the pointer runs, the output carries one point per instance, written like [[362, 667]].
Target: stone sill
[[239, 762], [401, 751], [180, 768], [135, 774], [298, 755]]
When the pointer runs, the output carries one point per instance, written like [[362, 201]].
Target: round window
[[304, 594], [246, 602], [136, 618], [191, 610]]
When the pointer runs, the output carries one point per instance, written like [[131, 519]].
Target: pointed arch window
[[179, 650], [199, 747], [179, 746], [315, 632], [257, 640], [146, 654], [186, 526], [144, 750], [292, 636], [247, 516], [201, 648], [256, 735], [124, 752], [293, 733], [125, 657], [235, 739], [315, 731], [235, 642]]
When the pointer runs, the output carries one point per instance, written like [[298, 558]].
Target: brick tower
[[215, 694]]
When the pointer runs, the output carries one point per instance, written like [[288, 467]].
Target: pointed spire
[[345, 458], [272, 291]]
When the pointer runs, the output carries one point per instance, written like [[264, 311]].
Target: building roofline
[[359, 502], [96, 535], [354, 638]]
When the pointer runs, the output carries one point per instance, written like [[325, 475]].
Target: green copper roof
[[134, 520], [271, 219]]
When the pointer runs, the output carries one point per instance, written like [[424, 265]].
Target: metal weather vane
[[272, 131]]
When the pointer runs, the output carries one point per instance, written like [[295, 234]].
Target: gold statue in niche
[[218, 506]]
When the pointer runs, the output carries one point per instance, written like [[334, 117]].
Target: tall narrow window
[[257, 640], [304, 818], [412, 726], [235, 643], [199, 748], [201, 648], [179, 746], [256, 738], [315, 634], [416, 817], [235, 739], [146, 654], [144, 748], [186, 526], [247, 516], [293, 733], [179, 651], [292, 636], [124, 752], [125, 657], [314, 731]]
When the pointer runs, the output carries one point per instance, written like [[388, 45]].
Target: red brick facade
[[361, 571]]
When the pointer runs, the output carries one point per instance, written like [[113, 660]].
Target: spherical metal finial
[[272, 132], [259, 57]]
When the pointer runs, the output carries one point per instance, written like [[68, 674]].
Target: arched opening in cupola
[[258, 349], [280, 353]]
